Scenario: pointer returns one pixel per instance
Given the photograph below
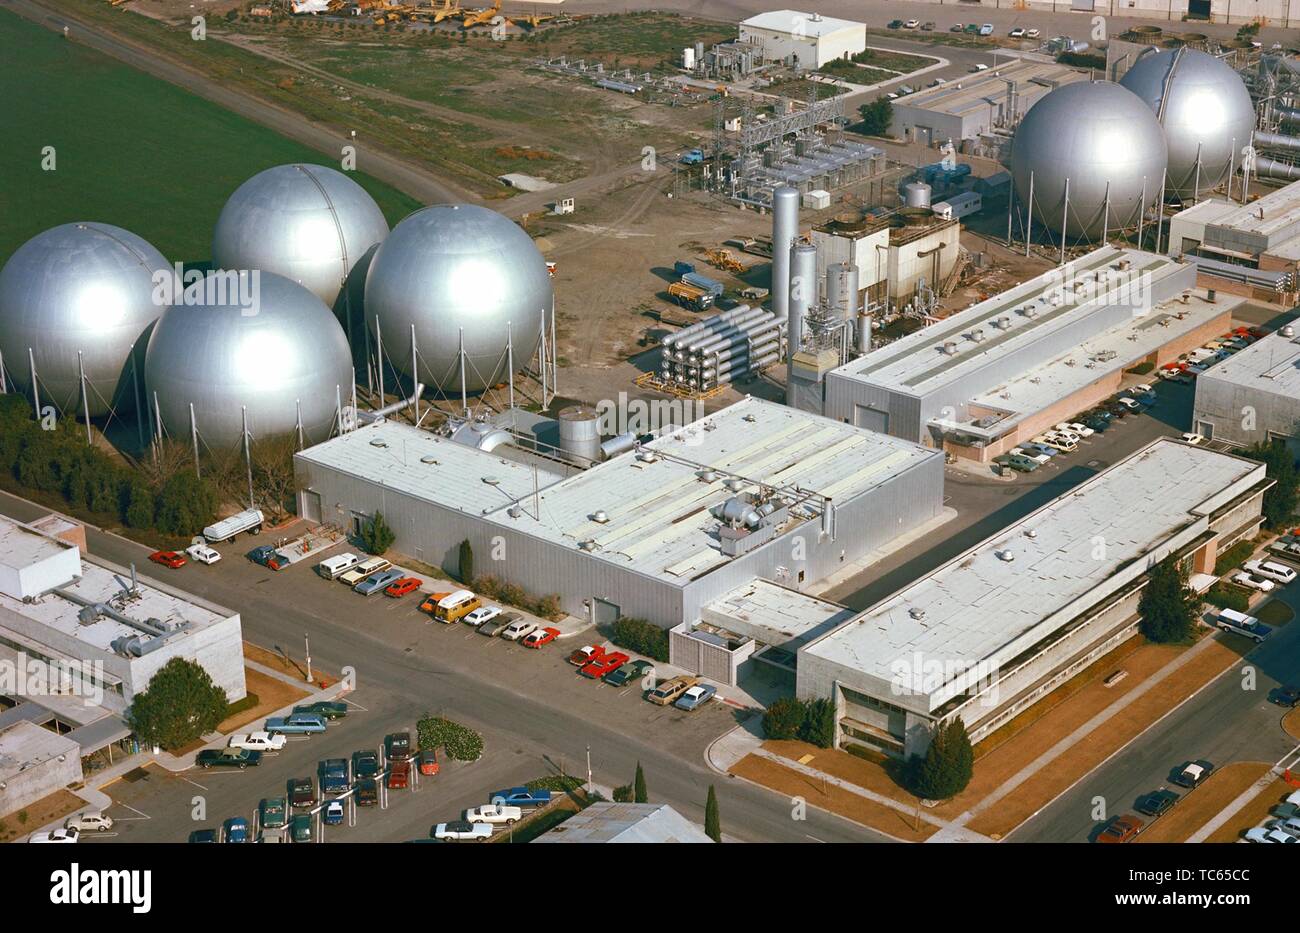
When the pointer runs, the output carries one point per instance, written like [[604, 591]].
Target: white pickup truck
[[259, 741], [61, 835], [492, 813]]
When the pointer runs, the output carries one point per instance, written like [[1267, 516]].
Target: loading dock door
[[603, 612], [871, 419], [1083, 6], [1198, 9], [311, 505]]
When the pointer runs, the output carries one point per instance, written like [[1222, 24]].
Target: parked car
[[92, 821], [327, 709], [1230, 620], [367, 794], [261, 741], [1040, 459], [629, 672], [302, 793], [541, 636], [273, 812], [365, 764], [695, 697], [1031, 33], [265, 555], [1061, 442], [307, 724], [203, 835], [1121, 829], [912, 24], [402, 587], [1075, 428], [603, 665], [895, 24], [240, 758], [481, 614], [397, 746], [1262, 834], [1251, 582], [586, 654], [1193, 439], [1193, 773], [334, 775], [1279, 573], [668, 691], [499, 624], [331, 567], [1288, 696], [332, 815], [520, 797], [376, 582], [370, 565], [427, 761], [202, 553], [399, 775], [1035, 447], [986, 29], [517, 629], [927, 26], [1157, 802], [957, 27], [460, 830], [493, 813], [1017, 32], [235, 829], [300, 828], [168, 559], [58, 836], [1020, 461]]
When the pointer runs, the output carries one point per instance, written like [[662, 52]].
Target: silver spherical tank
[[308, 223], [87, 287], [1205, 110], [1101, 142], [278, 352], [451, 270]]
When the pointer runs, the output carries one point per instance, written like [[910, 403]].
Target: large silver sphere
[[451, 268], [1207, 114], [1105, 141], [284, 349], [308, 223], [85, 287]]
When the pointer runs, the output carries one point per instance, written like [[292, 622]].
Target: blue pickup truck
[[295, 724], [521, 797], [334, 775]]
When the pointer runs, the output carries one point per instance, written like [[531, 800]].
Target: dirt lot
[[293, 667], [46, 810], [272, 694], [1198, 807]]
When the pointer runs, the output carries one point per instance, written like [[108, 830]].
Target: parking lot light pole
[[588, 770], [307, 643]]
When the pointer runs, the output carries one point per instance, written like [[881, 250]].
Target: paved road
[[1221, 724], [530, 705]]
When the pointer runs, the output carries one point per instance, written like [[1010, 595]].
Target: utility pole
[[588, 770], [306, 640]]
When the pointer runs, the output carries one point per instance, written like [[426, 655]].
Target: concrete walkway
[[1245, 797]]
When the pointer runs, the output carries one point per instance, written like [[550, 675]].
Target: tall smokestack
[[803, 292], [785, 227]]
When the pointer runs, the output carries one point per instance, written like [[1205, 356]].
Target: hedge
[[642, 637], [512, 594], [556, 783], [1228, 597], [1234, 556], [811, 721], [459, 743]]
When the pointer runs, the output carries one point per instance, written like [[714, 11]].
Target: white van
[[1232, 621], [1271, 570], [331, 567], [249, 520]]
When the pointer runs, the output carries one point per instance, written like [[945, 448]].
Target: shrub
[[376, 536], [180, 704], [555, 783], [1234, 556], [947, 766], [623, 794], [185, 504], [818, 727], [466, 561], [784, 718], [458, 742], [641, 636], [1081, 60], [876, 116], [712, 819], [139, 511], [1228, 597], [1141, 369]]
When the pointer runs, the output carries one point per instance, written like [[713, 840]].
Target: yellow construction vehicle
[[722, 259], [471, 18], [533, 19], [448, 8]]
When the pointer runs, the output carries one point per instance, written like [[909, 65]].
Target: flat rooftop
[[1270, 364], [808, 24], [962, 96], [774, 614], [25, 744], [100, 584], [21, 547], [657, 513], [429, 467], [1008, 322], [973, 609], [1275, 215], [1111, 351]]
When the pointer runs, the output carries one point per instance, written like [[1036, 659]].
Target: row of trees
[[636, 792], [811, 721], [1281, 501]]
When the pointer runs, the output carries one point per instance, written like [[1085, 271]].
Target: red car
[[1121, 829], [586, 655], [604, 664], [167, 559], [402, 587], [399, 775], [541, 636], [427, 762]]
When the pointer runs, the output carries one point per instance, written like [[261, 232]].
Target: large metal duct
[[1278, 142], [1099, 141], [1205, 110], [309, 223], [803, 291], [785, 227], [453, 272], [284, 354], [85, 288], [580, 432], [713, 322], [1272, 168]]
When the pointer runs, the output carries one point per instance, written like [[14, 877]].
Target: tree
[[466, 562], [639, 793], [818, 726], [784, 718], [948, 764], [1168, 605], [139, 505], [1280, 501], [877, 116], [712, 821], [180, 704], [185, 504], [623, 793], [376, 536]]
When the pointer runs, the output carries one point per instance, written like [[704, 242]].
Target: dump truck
[[703, 281], [691, 296]]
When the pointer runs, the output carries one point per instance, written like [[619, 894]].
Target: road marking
[[142, 816]]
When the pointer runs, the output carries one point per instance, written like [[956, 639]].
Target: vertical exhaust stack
[[785, 227], [803, 292]]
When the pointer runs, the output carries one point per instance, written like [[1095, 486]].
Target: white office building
[[808, 39]]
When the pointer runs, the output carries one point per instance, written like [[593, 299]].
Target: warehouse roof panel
[[973, 92], [1271, 365]]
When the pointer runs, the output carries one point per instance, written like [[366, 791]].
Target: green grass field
[[129, 149]]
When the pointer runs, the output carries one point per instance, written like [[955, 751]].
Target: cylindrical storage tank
[[1101, 142], [842, 289], [457, 269], [1205, 110], [309, 223], [785, 226], [688, 58], [803, 291], [283, 352], [618, 445], [916, 194], [87, 287], [580, 432]]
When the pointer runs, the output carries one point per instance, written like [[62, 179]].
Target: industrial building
[[982, 380], [1253, 396], [1249, 249], [34, 763], [965, 108], [604, 821], [89, 635], [808, 40], [754, 491], [997, 628], [893, 255]]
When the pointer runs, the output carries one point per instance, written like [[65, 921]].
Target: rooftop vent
[[1004, 323], [977, 335], [1288, 331], [588, 545], [916, 612], [1031, 533], [378, 443], [1006, 555], [949, 347], [429, 459], [514, 511], [750, 418], [492, 481], [600, 516], [647, 456], [706, 476]]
